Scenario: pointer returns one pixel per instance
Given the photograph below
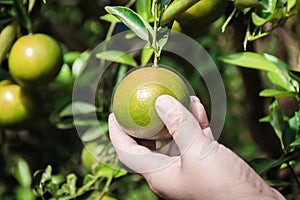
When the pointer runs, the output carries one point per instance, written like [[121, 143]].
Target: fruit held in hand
[[134, 100], [18, 106], [35, 59]]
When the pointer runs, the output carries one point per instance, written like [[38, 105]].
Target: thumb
[[179, 121]]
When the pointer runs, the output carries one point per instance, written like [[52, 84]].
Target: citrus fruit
[[35, 59], [18, 106], [199, 16], [202, 13], [134, 100]]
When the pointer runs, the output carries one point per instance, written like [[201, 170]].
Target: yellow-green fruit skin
[[201, 15], [35, 59], [18, 106], [134, 100]]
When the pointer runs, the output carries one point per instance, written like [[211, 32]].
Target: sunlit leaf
[[143, 8], [284, 67], [291, 4], [146, 54], [117, 56], [107, 171], [7, 37], [30, 5], [280, 80], [275, 93], [70, 57], [24, 193], [132, 20], [22, 173], [109, 18], [250, 60], [257, 20]]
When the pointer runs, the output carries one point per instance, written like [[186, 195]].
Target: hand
[[204, 169]]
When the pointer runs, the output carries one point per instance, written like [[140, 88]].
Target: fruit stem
[[154, 41]]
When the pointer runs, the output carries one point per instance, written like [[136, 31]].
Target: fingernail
[[162, 105], [195, 99]]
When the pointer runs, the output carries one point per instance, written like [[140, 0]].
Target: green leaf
[[132, 20], [106, 171], [71, 56], [23, 15], [257, 20], [30, 5], [296, 142], [24, 193], [71, 181], [295, 75], [284, 67], [5, 2], [88, 181], [143, 8], [276, 120], [117, 56], [281, 81], [264, 119], [146, 54], [109, 18], [22, 173], [291, 4], [277, 183], [250, 60], [95, 132], [262, 165], [162, 38], [275, 93], [7, 37], [77, 108]]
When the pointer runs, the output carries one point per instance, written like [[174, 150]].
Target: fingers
[[199, 113], [136, 157], [180, 122]]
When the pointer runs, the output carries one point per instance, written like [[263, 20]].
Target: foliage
[[42, 161]]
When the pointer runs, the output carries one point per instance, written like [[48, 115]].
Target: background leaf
[[117, 56], [250, 60], [275, 93], [22, 172], [7, 37]]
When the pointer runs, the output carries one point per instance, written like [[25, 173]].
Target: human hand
[[204, 169]]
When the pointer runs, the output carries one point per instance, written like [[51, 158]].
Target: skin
[[199, 168]]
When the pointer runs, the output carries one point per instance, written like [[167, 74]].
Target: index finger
[[136, 157]]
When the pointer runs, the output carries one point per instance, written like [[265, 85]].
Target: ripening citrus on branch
[[18, 105], [35, 59], [197, 18], [134, 100]]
